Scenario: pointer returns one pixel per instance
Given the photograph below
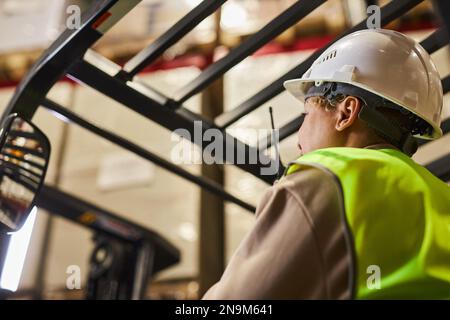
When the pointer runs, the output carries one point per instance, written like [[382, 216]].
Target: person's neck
[[361, 140]]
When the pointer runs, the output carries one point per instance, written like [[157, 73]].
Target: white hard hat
[[386, 63]]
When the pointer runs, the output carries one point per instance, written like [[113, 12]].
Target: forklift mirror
[[24, 155]]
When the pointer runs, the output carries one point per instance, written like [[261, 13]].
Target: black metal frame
[[66, 57], [147, 252]]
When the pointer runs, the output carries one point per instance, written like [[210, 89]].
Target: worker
[[354, 217]]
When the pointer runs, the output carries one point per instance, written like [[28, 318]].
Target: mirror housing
[[24, 156]]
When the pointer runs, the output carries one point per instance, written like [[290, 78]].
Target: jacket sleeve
[[283, 255]]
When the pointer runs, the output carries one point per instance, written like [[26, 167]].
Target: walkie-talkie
[[275, 145]]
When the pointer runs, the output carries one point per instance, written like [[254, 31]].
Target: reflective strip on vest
[[398, 214]]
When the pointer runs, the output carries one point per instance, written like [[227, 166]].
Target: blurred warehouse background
[[106, 175]]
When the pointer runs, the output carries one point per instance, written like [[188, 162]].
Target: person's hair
[[403, 119], [327, 104]]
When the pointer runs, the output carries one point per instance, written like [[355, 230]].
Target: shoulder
[[315, 188], [312, 192], [311, 205]]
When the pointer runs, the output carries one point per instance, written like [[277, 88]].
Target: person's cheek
[[304, 136], [325, 133], [315, 131]]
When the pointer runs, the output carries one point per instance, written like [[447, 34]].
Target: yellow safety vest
[[398, 216]]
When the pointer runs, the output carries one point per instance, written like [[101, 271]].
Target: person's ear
[[347, 112]]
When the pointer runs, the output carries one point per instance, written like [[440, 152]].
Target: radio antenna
[[274, 143]]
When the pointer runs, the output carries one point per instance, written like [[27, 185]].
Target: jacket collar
[[381, 146]]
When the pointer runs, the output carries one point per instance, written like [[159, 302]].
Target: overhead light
[[233, 16], [15, 256], [193, 3], [187, 232], [59, 116]]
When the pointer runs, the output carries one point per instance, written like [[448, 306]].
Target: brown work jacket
[[297, 248]]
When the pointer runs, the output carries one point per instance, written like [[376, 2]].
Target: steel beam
[[173, 118], [286, 19], [441, 168], [207, 184], [170, 37], [101, 220], [389, 12], [443, 8]]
